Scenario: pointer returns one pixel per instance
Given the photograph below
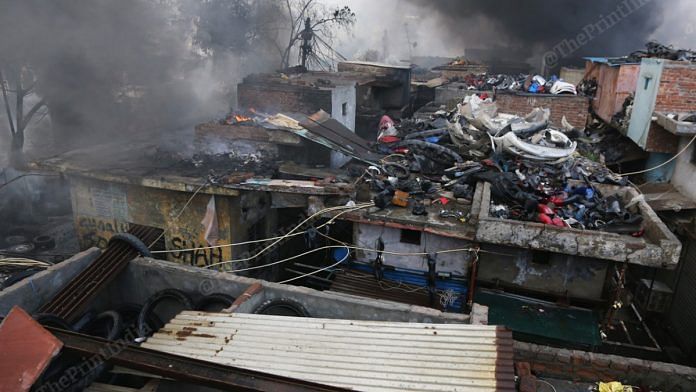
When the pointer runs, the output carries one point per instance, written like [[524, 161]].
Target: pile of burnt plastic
[[564, 196], [657, 50], [532, 168], [521, 82]]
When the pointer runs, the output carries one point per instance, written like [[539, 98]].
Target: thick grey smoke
[[111, 68], [509, 29], [539, 25]]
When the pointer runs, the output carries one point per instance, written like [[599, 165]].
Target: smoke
[[542, 24], [512, 30], [108, 69]]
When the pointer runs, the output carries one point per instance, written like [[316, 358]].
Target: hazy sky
[[424, 27]]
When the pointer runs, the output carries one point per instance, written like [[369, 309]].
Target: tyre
[[146, 313], [133, 241], [282, 307], [215, 302], [108, 325]]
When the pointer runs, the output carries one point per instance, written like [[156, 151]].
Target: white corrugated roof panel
[[362, 355]]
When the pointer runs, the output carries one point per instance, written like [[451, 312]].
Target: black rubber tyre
[[111, 320], [51, 320], [133, 241], [282, 307], [148, 308], [215, 302], [129, 315], [44, 242]]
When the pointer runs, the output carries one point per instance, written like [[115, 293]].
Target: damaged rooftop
[[328, 195]]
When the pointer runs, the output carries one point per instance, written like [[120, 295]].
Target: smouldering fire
[[237, 118]]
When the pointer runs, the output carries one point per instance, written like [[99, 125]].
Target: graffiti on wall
[[97, 231], [184, 251]]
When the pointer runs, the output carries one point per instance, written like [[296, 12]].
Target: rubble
[[526, 83], [533, 169], [337, 213]]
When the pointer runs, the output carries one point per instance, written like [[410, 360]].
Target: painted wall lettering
[[197, 257]]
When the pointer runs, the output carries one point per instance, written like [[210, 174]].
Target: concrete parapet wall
[[584, 366]]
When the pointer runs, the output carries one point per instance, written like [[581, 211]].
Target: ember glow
[[236, 118]]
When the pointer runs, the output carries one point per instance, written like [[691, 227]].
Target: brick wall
[[574, 107], [583, 366], [275, 97], [677, 91]]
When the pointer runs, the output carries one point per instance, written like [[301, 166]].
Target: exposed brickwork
[[274, 97], [592, 367], [677, 92], [661, 140], [574, 107]]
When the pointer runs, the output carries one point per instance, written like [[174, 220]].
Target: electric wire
[[325, 210], [27, 175], [317, 271], [476, 250], [181, 211], [547, 383], [663, 163], [264, 250]]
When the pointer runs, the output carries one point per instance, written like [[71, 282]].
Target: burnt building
[[357, 95]]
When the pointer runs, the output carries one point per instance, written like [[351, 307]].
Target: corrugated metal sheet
[[363, 355]]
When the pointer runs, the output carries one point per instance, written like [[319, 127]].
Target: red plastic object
[[557, 200], [544, 209], [444, 200], [558, 222], [545, 219], [389, 139], [638, 233], [26, 350]]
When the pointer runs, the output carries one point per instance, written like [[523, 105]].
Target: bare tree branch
[[32, 112], [7, 102]]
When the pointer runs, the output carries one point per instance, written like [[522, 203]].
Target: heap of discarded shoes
[[534, 172], [524, 83]]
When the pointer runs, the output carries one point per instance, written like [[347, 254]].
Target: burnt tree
[[311, 26], [20, 84]]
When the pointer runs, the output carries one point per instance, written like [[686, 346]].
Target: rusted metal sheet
[[26, 349], [359, 355], [75, 296], [182, 368], [247, 132]]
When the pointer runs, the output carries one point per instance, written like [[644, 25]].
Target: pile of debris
[[534, 171], [655, 49], [524, 83]]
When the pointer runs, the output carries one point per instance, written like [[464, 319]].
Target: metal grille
[[74, 298]]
